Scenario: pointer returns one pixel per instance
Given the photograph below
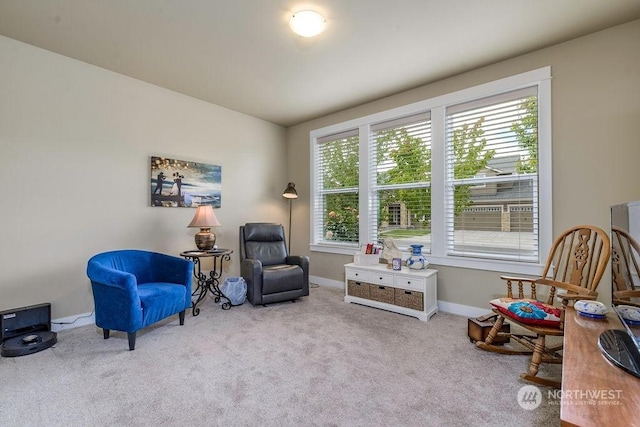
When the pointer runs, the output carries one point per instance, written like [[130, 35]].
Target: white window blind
[[491, 182], [466, 174], [335, 209], [400, 159]]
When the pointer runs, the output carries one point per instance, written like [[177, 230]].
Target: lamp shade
[[290, 192], [204, 217]]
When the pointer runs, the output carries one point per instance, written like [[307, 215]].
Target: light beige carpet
[[316, 362]]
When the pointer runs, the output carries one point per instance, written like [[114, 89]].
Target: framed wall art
[[181, 183]]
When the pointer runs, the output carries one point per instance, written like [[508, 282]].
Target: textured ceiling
[[241, 54]]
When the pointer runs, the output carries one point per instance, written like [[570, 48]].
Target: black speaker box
[[26, 330]]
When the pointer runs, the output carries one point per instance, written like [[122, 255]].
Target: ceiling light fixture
[[307, 23]]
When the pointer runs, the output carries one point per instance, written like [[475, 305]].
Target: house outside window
[[397, 214], [467, 175]]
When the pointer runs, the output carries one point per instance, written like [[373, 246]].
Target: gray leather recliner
[[272, 275]]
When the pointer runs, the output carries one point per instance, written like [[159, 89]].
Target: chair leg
[[488, 345], [541, 381], [132, 340], [493, 333], [536, 358], [105, 333], [534, 366], [181, 317]]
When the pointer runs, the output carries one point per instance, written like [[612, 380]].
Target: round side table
[[208, 282]]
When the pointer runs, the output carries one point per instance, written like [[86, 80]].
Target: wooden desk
[[585, 370]]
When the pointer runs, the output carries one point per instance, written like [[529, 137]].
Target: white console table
[[409, 292]]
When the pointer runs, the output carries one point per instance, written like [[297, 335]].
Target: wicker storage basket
[[381, 293], [410, 299], [358, 289]]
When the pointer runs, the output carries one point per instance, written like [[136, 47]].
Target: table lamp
[[205, 218]]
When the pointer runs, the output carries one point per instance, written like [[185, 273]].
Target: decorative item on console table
[[368, 254], [417, 261], [366, 259], [409, 292], [390, 252]]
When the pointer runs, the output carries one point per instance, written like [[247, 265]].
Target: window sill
[[341, 250], [502, 266]]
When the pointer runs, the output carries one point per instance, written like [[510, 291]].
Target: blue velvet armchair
[[133, 289]]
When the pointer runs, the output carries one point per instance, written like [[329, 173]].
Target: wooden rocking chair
[[625, 268], [576, 263]]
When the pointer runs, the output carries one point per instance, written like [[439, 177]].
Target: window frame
[[541, 78]]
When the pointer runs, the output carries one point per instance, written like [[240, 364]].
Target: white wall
[[75, 147]]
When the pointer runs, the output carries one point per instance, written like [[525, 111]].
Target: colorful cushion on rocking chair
[[528, 311]]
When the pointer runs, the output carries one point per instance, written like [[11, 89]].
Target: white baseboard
[[326, 282], [71, 322], [462, 310], [446, 307]]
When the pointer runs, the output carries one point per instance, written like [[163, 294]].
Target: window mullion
[[438, 156], [365, 182], [545, 213]]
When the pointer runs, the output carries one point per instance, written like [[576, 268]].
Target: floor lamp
[[290, 193]]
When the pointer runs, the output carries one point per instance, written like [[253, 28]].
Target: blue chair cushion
[[160, 300]]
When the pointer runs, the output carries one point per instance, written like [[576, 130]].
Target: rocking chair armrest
[[635, 293], [551, 282], [565, 298], [519, 279], [576, 290], [520, 283]]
